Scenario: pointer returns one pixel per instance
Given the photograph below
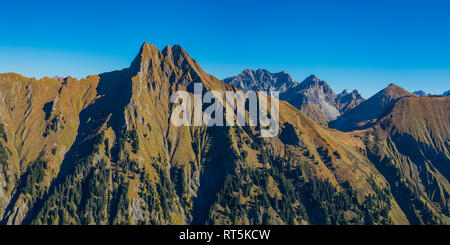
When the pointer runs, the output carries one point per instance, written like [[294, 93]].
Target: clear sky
[[350, 44]]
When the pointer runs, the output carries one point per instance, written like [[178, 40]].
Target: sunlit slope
[[40, 120]]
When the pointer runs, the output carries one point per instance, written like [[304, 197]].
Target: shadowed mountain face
[[409, 144], [313, 91], [407, 138], [262, 80], [102, 150], [367, 113], [346, 101], [313, 96]]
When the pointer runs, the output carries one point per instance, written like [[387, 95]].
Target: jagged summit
[[179, 52], [145, 52], [312, 77], [314, 81], [317, 93], [147, 49], [346, 101], [261, 80], [150, 51], [354, 92], [172, 60]]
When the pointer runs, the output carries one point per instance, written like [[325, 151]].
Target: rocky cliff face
[[313, 91], [346, 101], [262, 80]]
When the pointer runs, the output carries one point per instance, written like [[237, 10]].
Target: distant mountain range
[[420, 93], [312, 96], [370, 110], [423, 93], [102, 150]]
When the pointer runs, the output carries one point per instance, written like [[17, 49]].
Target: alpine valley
[[102, 150]]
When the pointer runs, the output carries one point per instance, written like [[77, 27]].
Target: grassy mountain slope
[[40, 120], [410, 146], [118, 159]]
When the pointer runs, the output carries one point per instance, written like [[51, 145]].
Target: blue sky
[[350, 44]]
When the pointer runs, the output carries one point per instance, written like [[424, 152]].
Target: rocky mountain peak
[[312, 77], [261, 79], [355, 92], [346, 101], [314, 82], [146, 53], [167, 51], [179, 53]]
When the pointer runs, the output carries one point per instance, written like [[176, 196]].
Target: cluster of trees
[[159, 194], [81, 198], [3, 132], [277, 192], [133, 140], [376, 206], [3, 150], [85, 195], [293, 198], [54, 125], [124, 136], [165, 190], [34, 175], [3, 156], [179, 177], [119, 205], [326, 158], [246, 195], [326, 205]]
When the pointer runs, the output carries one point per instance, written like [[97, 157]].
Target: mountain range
[[423, 93], [312, 96], [102, 150]]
